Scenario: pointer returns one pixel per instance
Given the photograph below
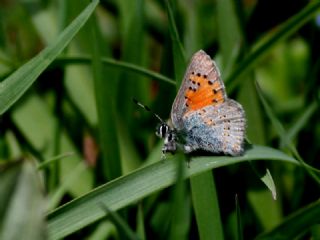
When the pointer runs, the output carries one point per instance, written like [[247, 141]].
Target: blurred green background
[[70, 133]]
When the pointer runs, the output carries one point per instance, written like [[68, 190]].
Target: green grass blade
[[55, 196], [206, 207], [178, 52], [128, 189], [53, 160], [229, 41], [180, 209], [205, 181], [104, 230], [295, 224], [300, 123], [106, 108], [264, 46], [141, 230], [282, 134], [133, 51], [180, 220], [249, 99], [120, 223], [123, 66], [268, 181], [13, 87], [239, 221]]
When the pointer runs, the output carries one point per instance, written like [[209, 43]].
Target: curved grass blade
[[299, 124], [295, 224], [128, 189], [282, 134], [53, 160], [263, 47], [268, 181], [114, 63], [13, 87]]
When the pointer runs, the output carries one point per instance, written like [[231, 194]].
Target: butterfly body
[[203, 117]]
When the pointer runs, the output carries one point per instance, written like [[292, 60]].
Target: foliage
[[73, 143]]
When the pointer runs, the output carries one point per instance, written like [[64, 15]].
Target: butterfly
[[202, 116]]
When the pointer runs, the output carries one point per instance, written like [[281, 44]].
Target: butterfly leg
[[170, 143], [163, 155]]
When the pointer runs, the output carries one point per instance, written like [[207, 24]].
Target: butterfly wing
[[201, 86], [218, 129], [210, 120]]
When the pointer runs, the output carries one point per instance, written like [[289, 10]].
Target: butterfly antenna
[[147, 109]]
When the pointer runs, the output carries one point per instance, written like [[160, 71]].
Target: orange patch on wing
[[203, 93]]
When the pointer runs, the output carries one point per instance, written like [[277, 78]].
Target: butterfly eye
[[162, 130]]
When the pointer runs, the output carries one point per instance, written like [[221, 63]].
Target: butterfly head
[[170, 137]]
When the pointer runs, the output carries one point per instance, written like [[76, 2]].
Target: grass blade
[[295, 224], [206, 207], [282, 32], [13, 87], [300, 123], [106, 108], [123, 66], [85, 210], [178, 52], [180, 208], [239, 221], [229, 41], [282, 134], [268, 181], [120, 223]]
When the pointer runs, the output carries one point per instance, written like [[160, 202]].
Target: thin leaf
[[264, 46], [180, 219], [128, 189], [78, 171], [282, 133], [54, 159], [141, 231], [229, 41], [206, 207], [104, 230], [120, 223], [295, 224], [178, 52], [106, 108], [268, 181], [124, 66], [13, 87], [299, 124], [239, 222]]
